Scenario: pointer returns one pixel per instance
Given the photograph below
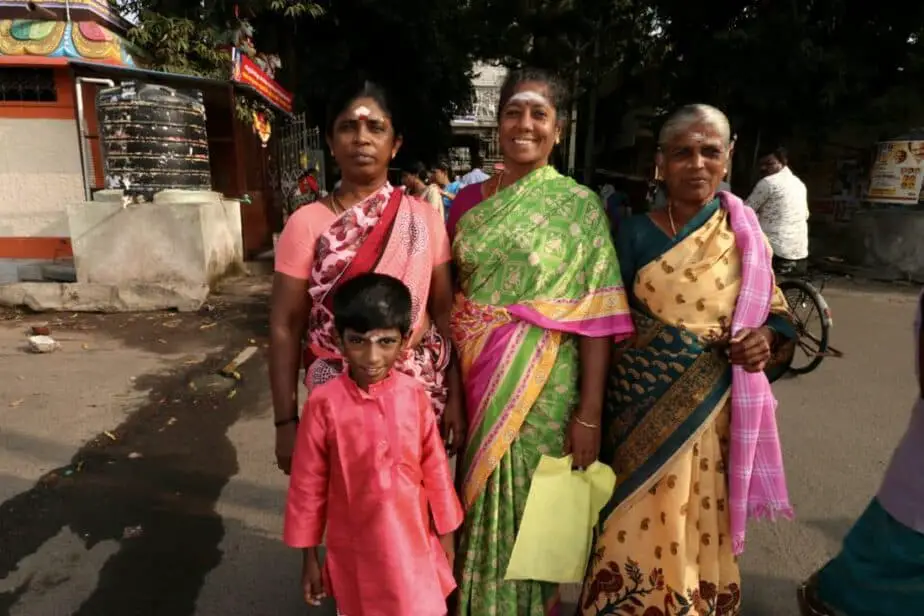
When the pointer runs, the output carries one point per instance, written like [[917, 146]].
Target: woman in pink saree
[[365, 225]]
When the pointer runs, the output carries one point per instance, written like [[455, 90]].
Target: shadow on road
[[153, 488]]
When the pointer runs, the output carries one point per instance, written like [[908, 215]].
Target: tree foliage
[[790, 67], [595, 46], [418, 50], [415, 49]]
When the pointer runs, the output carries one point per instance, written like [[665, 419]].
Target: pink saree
[[389, 233]]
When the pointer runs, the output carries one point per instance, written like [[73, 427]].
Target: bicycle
[[808, 305]]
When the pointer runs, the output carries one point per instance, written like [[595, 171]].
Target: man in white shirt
[[781, 202]]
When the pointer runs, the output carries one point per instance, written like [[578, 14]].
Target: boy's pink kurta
[[370, 468]]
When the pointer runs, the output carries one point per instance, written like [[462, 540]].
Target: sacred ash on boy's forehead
[[377, 336]]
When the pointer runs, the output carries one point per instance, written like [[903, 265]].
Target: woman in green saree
[[540, 300]]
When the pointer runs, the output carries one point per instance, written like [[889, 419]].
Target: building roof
[[98, 11], [173, 80]]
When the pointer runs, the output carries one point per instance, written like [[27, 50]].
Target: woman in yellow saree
[[541, 298], [709, 321]]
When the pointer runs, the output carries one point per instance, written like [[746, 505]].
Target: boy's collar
[[375, 389]]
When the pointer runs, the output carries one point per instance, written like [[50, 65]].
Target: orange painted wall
[[61, 109], [50, 248]]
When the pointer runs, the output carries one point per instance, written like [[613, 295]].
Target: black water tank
[[153, 138]]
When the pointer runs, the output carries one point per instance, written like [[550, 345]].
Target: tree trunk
[[590, 125], [572, 136]]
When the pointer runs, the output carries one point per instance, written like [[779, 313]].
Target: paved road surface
[[181, 514]]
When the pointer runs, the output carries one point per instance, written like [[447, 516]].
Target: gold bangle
[[589, 426]]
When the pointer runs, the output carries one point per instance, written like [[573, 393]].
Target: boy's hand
[[448, 543], [312, 580]]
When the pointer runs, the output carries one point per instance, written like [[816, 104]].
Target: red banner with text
[[247, 72]]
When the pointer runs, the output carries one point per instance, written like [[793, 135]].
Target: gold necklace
[[670, 217], [500, 178]]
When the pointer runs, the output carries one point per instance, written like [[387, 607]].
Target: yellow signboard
[[897, 173]]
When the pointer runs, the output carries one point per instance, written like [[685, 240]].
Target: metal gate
[[297, 150]]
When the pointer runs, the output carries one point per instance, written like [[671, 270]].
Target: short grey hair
[[689, 115]]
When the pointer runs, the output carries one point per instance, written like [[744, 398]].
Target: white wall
[[39, 175]]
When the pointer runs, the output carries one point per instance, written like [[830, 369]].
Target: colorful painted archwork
[[85, 40], [97, 10]]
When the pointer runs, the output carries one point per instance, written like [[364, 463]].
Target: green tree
[[791, 68], [418, 50], [186, 37]]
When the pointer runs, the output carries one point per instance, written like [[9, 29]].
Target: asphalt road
[[179, 514]]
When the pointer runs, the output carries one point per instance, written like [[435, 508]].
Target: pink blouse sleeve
[[306, 503], [437, 478], [295, 248], [442, 253]]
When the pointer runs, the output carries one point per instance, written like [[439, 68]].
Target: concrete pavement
[[206, 498]]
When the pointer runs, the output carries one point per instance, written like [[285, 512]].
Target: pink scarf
[[757, 482]]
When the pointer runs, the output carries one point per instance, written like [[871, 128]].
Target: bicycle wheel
[[812, 320]]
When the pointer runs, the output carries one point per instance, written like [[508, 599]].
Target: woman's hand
[[582, 441], [448, 543], [751, 349], [453, 425], [289, 306], [285, 445]]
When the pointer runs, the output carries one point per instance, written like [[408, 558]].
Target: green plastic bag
[[554, 540]]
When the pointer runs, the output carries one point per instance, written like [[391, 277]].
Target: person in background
[[689, 425], [365, 225], [440, 176], [724, 186], [475, 175], [880, 568], [540, 300], [370, 470], [414, 178], [781, 202], [615, 204]]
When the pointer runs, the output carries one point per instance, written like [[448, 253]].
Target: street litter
[[43, 344], [231, 370]]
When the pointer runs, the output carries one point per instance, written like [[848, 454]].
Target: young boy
[[370, 469]]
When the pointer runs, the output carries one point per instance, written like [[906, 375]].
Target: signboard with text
[[247, 72], [897, 173]]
